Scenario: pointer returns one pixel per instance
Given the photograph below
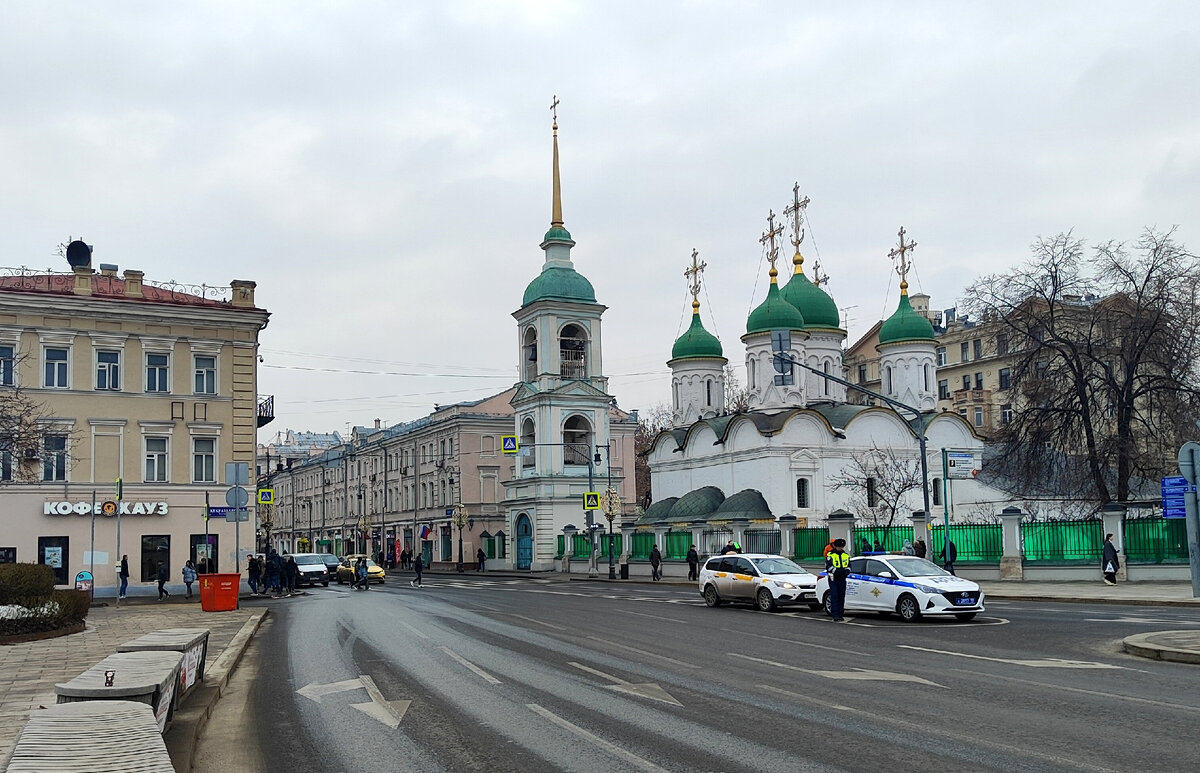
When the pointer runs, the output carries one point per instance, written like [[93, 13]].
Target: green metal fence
[[640, 544], [712, 540], [973, 542], [1156, 541], [761, 541], [891, 537], [677, 544], [602, 542], [1062, 542], [809, 544]]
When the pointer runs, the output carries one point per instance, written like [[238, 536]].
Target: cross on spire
[[554, 110], [795, 211], [768, 240], [901, 253], [693, 274], [819, 278]]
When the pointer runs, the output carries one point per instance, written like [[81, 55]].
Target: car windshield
[[916, 567], [309, 560], [778, 565], [329, 558], [371, 564]]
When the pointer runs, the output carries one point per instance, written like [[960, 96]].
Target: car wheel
[[827, 604], [966, 617], [766, 602], [908, 609], [710, 596]]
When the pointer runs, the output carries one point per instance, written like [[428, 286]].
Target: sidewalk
[[28, 672]]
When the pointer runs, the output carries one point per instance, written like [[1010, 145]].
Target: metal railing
[[1156, 540], [1062, 542]]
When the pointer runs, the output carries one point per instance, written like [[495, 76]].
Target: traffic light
[[118, 489]]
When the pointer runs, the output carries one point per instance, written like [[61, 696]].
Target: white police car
[[906, 585], [762, 579]]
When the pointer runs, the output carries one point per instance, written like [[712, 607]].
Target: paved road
[[521, 675]]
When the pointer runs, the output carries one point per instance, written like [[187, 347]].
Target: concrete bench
[[99, 736], [144, 677], [192, 643]]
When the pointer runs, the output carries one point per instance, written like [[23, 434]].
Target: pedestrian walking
[[837, 568], [908, 549], [254, 571], [360, 574], [404, 558], [291, 572], [163, 575], [189, 576], [274, 570], [418, 565], [949, 554], [480, 560], [919, 549], [655, 562], [1110, 561], [693, 559], [123, 573]]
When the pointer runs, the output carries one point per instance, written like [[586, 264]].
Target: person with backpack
[[189, 576]]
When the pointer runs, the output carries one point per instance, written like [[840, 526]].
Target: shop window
[[156, 548]]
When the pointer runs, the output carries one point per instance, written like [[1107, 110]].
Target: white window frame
[[978, 416], [65, 452], [162, 368], [113, 370], [196, 455], [165, 459], [8, 364], [66, 366], [209, 374]]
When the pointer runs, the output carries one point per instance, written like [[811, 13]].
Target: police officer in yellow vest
[[837, 567]]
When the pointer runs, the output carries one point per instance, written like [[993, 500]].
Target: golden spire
[[556, 218], [693, 274], [796, 211], [768, 239], [901, 253]]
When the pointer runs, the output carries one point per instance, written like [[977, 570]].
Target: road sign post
[[1189, 468]]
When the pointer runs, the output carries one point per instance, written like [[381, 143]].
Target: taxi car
[[906, 585], [762, 579], [345, 572]]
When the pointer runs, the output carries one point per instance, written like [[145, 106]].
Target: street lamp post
[[460, 520], [612, 506]]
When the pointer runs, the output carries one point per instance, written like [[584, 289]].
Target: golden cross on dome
[[693, 274], [901, 253], [819, 278], [796, 212], [554, 110], [768, 240]]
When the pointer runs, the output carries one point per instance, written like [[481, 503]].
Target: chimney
[[83, 280], [377, 424], [133, 284], [243, 293], [108, 269]]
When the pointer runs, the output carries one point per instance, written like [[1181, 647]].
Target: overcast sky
[[382, 169]]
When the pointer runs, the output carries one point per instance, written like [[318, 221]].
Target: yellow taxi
[[345, 570]]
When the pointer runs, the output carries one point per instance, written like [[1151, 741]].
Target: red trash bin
[[219, 592]]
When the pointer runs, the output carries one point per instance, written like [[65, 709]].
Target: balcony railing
[[266, 410]]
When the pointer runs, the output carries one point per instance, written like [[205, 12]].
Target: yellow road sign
[[591, 500], [509, 444], [266, 496]]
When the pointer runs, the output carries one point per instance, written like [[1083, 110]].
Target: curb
[[1141, 645], [184, 733], [1141, 602]]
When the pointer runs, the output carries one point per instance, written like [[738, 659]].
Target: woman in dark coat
[[655, 561], [693, 559], [1109, 561]]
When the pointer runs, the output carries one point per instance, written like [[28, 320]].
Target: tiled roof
[[113, 287]]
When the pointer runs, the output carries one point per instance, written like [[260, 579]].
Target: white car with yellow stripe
[[906, 585], [761, 579]]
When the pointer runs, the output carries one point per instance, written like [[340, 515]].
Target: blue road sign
[[218, 512], [1174, 491]]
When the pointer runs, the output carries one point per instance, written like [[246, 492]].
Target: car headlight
[[927, 589], [783, 584]]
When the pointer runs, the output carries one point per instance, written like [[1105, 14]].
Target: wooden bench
[[144, 677], [99, 736], [192, 643]]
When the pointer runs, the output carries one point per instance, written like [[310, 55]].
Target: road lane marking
[[484, 675], [798, 643], [415, 631], [855, 674], [1045, 663], [634, 760], [646, 653], [657, 617], [1139, 621], [388, 712], [648, 690], [1098, 693], [317, 691], [539, 622]]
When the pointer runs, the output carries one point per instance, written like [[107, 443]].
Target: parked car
[[345, 571], [312, 569], [762, 579], [331, 564], [906, 585]]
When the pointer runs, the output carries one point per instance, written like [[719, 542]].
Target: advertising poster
[[54, 557]]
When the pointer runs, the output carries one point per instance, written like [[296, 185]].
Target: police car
[[762, 579], [906, 585]]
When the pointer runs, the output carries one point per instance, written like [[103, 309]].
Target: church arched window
[[528, 438], [529, 355], [925, 384], [572, 352], [577, 441], [887, 380], [708, 392], [802, 493], [825, 380]]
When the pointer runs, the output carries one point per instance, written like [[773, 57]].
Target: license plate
[[967, 602]]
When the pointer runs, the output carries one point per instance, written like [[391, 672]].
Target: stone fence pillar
[[568, 547], [697, 528], [1012, 562], [628, 527], [920, 524], [1113, 516], [841, 526], [787, 540], [660, 532]]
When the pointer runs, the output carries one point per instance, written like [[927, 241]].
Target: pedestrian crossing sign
[[509, 444], [266, 496], [591, 500]]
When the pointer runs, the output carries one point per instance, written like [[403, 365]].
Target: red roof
[[114, 287]]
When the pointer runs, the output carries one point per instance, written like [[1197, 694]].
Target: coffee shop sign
[[86, 508]]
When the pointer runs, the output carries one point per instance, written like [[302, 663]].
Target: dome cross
[[693, 274], [900, 253], [768, 240], [796, 211]]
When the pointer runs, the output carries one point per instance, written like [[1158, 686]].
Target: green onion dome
[[774, 313], [696, 341], [818, 308], [905, 324], [559, 283]]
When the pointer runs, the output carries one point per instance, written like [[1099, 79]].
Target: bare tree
[[1104, 350], [24, 424], [650, 423], [737, 397], [878, 483]]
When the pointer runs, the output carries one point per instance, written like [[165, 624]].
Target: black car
[[331, 564]]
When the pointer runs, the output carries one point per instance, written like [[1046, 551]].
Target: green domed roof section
[[747, 503], [559, 283], [697, 505], [557, 234], [905, 325], [818, 308], [658, 511], [774, 314], [696, 342]]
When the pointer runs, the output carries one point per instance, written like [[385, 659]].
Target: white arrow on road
[[648, 690], [859, 674], [1044, 663], [388, 712]]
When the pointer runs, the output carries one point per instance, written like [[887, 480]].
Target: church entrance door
[[524, 542]]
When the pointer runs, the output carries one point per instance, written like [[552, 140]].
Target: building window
[[925, 378], [108, 370], [708, 392], [978, 416], [1005, 378], [941, 356], [156, 460], [206, 375], [572, 353], [802, 493], [862, 374], [936, 490], [7, 359], [872, 494], [156, 549], [204, 460], [825, 381], [979, 381], [977, 344], [6, 464], [158, 373], [943, 389], [966, 382], [887, 380], [56, 368], [54, 457], [1002, 343], [964, 352], [1006, 413]]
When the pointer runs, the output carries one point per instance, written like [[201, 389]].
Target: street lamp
[[611, 502], [460, 520]]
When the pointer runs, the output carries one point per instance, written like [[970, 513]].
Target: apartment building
[[150, 384]]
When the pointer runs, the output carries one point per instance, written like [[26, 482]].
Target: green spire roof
[[818, 308], [559, 283], [905, 324], [696, 341], [774, 313]]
